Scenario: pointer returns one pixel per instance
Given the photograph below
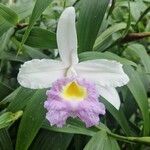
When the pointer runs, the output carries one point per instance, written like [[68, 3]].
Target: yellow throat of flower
[[73, 91]]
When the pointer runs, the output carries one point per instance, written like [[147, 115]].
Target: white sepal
[[67, 37], [110, 94], [37, 74], [102, 71]]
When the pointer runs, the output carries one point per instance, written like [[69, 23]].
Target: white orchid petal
[[36, 74], [102, 71], [111, 95], [67, 37]]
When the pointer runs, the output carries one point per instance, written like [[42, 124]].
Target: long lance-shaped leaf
[[8, 118], [39, 7], [8, 19], [137, 89], [31, 121], [5, 140], [91, 14]]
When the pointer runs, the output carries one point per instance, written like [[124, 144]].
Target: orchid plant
[[75, 86]]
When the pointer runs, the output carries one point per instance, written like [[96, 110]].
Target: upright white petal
[[67, 37], [36, 74], [103, 72], [111, 95]]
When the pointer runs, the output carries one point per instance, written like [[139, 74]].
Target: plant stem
[[135, 36], [143, 140]]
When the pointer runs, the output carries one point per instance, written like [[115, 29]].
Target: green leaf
[[8, 118], [4, 26], [140, 51], [138, 91], [146, 11], [101, 141], [5, 39], [8, 14], [41, 38], [33, 53], [39, 7], [128, 20], [6, 90], [12, 57], [118, 115], [91, 14], [21, 99], [5, 140], [47, 140], [136, 13], [8, 18], [144, 140], [107, 33], [106, 55], [31, 121], [73, 127], [23, 8], [9, 97]]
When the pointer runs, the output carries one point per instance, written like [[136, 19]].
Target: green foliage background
[[120, 31]]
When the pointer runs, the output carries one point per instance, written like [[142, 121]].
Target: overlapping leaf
[[92, 12], [39, 7], [8, 118], [138, 91], [8, 18], [5, 140], [101, 141], [31, 121]]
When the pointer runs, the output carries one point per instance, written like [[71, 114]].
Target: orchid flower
[[75, 86]]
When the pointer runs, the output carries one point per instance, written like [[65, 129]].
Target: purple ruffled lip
[[59, 109]]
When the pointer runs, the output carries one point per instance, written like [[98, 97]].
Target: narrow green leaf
[[9, 97], [33, 53], [5, 141], [146, 11], [31, 121], [8, 118], [137, 89], [101, 141], [128, 21], [140, 51], [107, 33], [106, 55], [4, 26], [119, 116], [41, 38], [6, 90], [5, 39], [8, 18], [73, 127], [91, 14], [23, 8], [8, 14], [136, 13], [21, 99], [12, 57], [47, 140], [39, 7]]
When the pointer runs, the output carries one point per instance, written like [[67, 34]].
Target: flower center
[[74, 92]]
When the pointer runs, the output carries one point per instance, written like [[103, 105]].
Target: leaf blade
[[31, 121], [138, 91], [92, 12], [38, 9]]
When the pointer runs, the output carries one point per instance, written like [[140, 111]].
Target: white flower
[[106, 74]]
